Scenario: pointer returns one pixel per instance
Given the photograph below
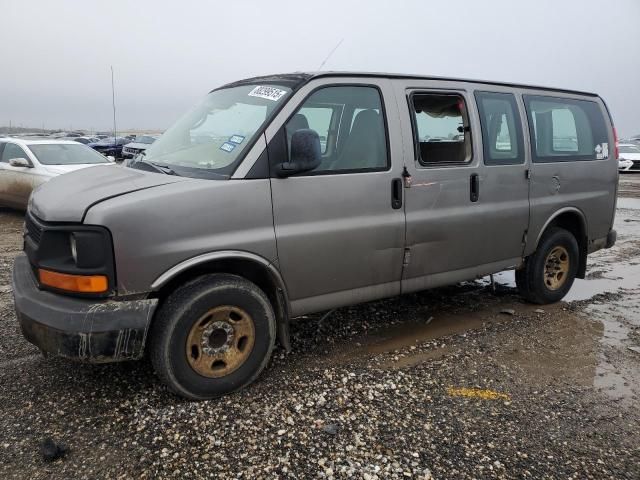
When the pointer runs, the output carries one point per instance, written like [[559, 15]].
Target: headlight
[[73, 258]]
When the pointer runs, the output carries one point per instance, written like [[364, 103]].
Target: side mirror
[[305, 153], [20, 162], [111, 158]]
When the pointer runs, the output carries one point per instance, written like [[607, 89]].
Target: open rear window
[[564, 130], [441, 129]]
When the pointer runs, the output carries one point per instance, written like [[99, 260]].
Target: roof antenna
[[330, 53]]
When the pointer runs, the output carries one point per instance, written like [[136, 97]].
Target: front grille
[[636, 165], [33, 229]]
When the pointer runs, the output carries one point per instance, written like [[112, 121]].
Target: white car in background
[[140, 144], [27, 163], [628, 157]]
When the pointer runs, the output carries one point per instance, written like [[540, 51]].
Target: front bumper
[[97, 331]]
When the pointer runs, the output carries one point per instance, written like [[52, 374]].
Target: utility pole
[[113, 101]]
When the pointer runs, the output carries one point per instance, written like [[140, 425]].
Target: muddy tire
[[212, 336], [548, 274]]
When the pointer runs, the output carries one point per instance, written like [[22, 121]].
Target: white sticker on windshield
[[270, 93], [227, 147]]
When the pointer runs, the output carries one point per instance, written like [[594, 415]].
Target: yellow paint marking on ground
[[477, 393]]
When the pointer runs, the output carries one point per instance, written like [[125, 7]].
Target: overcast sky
[[166, 54]]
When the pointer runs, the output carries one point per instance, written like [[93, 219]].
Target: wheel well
[[248, 269], [574, 223]]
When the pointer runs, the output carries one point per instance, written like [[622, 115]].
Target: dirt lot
[[459, 382]]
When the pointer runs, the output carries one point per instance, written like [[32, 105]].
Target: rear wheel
[[212, 336], [549, 273]]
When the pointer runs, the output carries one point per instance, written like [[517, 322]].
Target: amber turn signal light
[[74, 283]]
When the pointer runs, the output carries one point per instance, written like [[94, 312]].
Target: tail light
[[615, 142]]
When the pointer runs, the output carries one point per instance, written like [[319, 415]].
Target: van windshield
[[209, 141]]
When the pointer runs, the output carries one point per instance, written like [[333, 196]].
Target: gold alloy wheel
[[220, 341], [556, 268]]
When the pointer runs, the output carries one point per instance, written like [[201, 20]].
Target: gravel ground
[[458, 382]]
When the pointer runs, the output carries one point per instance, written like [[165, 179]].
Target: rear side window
[[501, 129], [565, 130], [441, 129]]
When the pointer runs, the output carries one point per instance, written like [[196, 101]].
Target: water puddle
[[442, 325], [629, 203], [622, 277]]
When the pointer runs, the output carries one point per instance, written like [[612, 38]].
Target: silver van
[[284, 195]]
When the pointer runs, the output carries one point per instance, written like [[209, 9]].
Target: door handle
[[396, 193], [474, 189]]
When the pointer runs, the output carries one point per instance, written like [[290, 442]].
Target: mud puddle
[[621, 277]]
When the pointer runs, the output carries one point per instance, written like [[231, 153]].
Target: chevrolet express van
[[284, 195]]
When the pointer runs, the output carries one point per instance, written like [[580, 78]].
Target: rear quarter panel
[[586, 186]]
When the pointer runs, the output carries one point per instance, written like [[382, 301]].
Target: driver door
[[340, 235]]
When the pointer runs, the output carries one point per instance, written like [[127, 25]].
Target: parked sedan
[[110, 146], [140, 144], [629, 157], [25, 164]]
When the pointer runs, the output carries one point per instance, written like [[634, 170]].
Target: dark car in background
[[110, 146], [83, 140], [140, 144]]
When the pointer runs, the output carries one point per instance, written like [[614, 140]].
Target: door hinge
[[407, 257], [527, 173]]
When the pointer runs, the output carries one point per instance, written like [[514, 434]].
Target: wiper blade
[[166, 169]]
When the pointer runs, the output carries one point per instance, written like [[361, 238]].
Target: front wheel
[[212, 336], [548, 274]]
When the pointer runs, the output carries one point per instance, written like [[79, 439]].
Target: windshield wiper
[[166, 169]]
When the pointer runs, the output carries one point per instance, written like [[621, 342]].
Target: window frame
[[283, 137], [484, 129], [415, 134], [533, 144]]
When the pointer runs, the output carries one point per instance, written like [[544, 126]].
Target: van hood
[[67, 198]]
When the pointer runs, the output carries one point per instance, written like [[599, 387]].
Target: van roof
[[296, 80]]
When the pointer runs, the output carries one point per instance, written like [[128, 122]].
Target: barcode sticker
[[270, 93], [227, 147]]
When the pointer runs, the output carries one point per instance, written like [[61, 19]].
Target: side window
[[318, 119], [350, 123], [441, 129], [11, 150], [564, 129], [501, 128]]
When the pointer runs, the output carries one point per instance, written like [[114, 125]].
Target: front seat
[[297, 122], [364, 147]]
